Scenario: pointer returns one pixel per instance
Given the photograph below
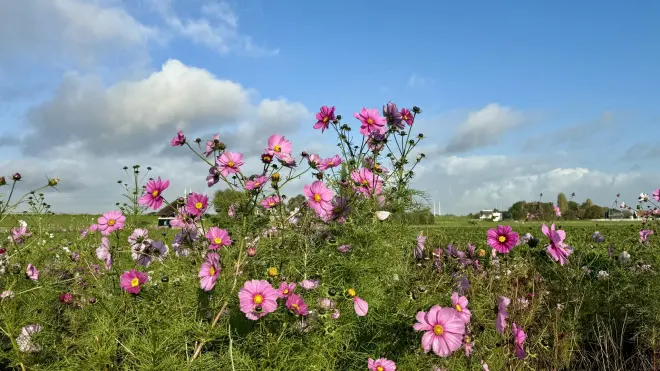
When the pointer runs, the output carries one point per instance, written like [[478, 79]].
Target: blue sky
[[578, 76]]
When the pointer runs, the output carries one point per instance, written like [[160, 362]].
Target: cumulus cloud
[[484, 128]]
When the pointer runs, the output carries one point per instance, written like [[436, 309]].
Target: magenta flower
[[371, 121], [132, 280], [270, 202], [196, 204], [393, 116], [218, 238], [297, 305], [110, 222], [381, 364], [279, 147], [557, 210], [519, 337], [229, 163], [460, 304], [330, 163], [407, 116], [557, 249], [257, 183], [443, 330], [644, 235], [319, 197], [103, 252], [656, 194], [502, 238], [209, 271], [500, 320], [367, 182], [153, 197], [286, 289], [32, 272], [210, 145], [257, 298], [324, 117], [179, 139]]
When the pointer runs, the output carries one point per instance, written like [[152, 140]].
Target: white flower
[[51, 235], [24, 340], [382, 215], [625, 257], [22, 223], [623, 205], [603, 275], [643, 197]]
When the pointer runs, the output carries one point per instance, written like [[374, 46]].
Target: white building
[[495, 216]]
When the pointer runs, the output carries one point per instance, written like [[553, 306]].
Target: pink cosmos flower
[[213, 177], [32, 272], [309, 284], [315, 161], [153, 197], [371, 121], [319, 197], [229, 163], [209, 271], [467, 344], [210, 145], [103, 252], [218, 238], [132, 280], [557, 249], [257, 298], [257, 183], [196, 204], [443, 330], [330, 163], [286, 289], [460, 304], [367, 182], [407, 116], [656, 194], [270, 202], [231, 211], [178, 140], [279, 147], [500, 320], [519, 337], [111, 221], [557, 210], [502, 238], [360, 306], [139, 237], [644, 235], [297, 305], [324, 117], [381, 364], [418, 251], [19, 233]]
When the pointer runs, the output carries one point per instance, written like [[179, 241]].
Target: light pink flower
[[319, 197], [309, 284], [315, 161], [32, 272], [279, 147], [324, 117], [210, 145], [218, 238], [19, 233], [257, 298], [502, 314], [196, 204], [103, 253], [209, 271], [286, 289], [360, 306], [111, 221], [132, 280], [467, 344], [297, 305], [330, 163], [656, 194], [460, 304], [557, 210], [644, 235], [153, 197], [229, 163], [519, 337], [367, 182], [371, 121], [178, 140], [381, 364], [443, 330], [557, 249], [257, 183], [270, 202]]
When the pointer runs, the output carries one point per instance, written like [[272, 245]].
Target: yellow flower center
[[502, 239], [380, 368], [231, 164], [295, 306], [370, 121], [199, 206], [257, 184], [331, 163], [271, 203], [481, 252], [217, 240], [458, 308], [277, 148], [365, 183], [351, 292], [135, 282], [211, 271], [438, 330], [258, 299], [286, 291], [317, 197], [155, 193], [325, 119], [405, 117], [111, 222]]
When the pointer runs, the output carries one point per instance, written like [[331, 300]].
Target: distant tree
[[593, 212], [506, 215], [572, 205], [518, 210], [588, 203], [225, 197], [296, 201], [562, 202]]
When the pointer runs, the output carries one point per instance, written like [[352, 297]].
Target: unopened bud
[[53, 182], [275, 177], [16, 177], [3, 181]]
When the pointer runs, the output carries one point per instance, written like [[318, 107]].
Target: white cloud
[[416, 81]]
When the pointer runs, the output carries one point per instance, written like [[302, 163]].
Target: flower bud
[[53, 182], [3, 181], [16, 177], [275, 177]]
